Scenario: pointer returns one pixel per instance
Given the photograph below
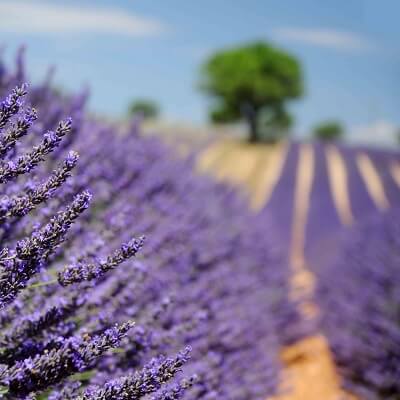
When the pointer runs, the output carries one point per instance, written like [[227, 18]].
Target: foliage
[[245, 80], [147, 109], [328, 130]]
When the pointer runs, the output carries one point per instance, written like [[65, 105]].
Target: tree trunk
[[253, 137], [250, 115]]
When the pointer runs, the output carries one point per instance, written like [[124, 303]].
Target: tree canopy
[[247, 80]]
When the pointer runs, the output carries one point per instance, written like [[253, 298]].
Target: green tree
[[328, 130], [249, 80], [148, 109]]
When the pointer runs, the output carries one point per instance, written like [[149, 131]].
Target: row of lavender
[[357, 268], [321, 201], [358, 292], [360, 201], [203, 292]]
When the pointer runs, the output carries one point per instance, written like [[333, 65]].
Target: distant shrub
[[330, 130], [147, 109]]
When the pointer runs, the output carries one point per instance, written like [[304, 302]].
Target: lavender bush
[[359, 295], [119, 267]]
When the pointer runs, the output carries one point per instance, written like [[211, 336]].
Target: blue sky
[[153, 48]]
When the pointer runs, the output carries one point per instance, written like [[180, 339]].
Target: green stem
[[40, 284]]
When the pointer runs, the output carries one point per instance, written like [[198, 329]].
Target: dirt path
[[338, 181], [395, 172], [372, 181]]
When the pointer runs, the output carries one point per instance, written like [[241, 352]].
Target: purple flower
[[17, 268], [21, 205], [12, 104], [87, 272], [146, 381], [19, 129], [25, 163], [75, 355]]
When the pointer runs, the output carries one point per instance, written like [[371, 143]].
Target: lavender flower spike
[[148, 380], [44, 242], [25, 163], [20, 206], [19, 129], [69, 391], [18, 267], [86, 272], [177, 391], [34, 324], [75, 355], [12, 104]]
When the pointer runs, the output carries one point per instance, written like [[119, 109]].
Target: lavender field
[[330, 210], [199, 200], [125, 274]]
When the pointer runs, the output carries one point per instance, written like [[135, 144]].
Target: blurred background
[[152, 57]]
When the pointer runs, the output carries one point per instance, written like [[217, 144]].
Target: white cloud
[[380, 132], [329, 38], [43, 17]]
